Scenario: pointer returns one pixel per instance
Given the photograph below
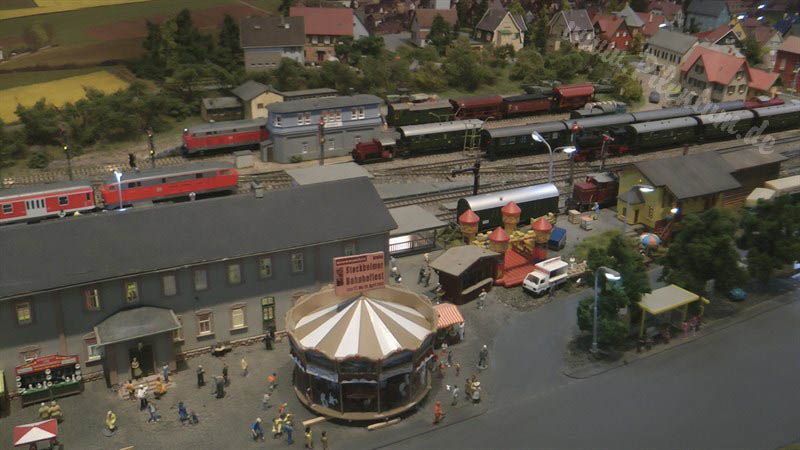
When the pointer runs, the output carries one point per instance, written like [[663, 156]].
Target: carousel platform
[[517, 267]]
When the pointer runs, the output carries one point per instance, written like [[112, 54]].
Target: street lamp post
[[645, 188], [69, 161], [538, 138], [118, 174], [611, 275], [321, 132], [570, 150]]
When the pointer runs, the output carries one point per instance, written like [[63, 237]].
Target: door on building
[[145, 358], [636, 216], [320, 56], [268, 312]]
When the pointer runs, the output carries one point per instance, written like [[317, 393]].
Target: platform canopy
[[413, 219], [135, 323], [362, 327]]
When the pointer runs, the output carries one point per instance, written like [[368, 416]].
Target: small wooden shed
[[464, 271]]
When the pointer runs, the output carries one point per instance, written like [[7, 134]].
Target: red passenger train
[[219, 135], [33, 203]]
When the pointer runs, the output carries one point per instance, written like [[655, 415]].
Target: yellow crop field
[[56, 92], [53, 6]]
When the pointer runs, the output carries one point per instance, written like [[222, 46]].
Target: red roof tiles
[[651, 23], [714, 35], [761, 79], [608, 24], [325, 21], [791, 44], [719, 67]]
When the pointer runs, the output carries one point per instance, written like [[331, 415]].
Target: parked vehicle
[[558, 239], [546, 275]]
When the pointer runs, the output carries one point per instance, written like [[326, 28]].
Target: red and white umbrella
[[35, 432]]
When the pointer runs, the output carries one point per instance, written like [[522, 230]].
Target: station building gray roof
[[221, 103], [321, 174], [319, 92], [691, 175], [113, 244], [711, 8], [413, 219], [313, 104], [673, 41], [249, 90], [135, 323], [458, 259], [751, 157]]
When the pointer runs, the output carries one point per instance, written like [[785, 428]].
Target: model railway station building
[[163, 282]]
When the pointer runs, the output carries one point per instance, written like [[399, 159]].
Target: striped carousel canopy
[[364, 327]]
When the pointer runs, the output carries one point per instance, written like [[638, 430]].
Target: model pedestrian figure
[[449, 358], [200, 377], [265, 401], [268, 336], [256, 431], [183, 415], [165, 373], [324, 440], [421, 274], [151, 408], [458, 369], [437, 412], [455, 395], [277, 423], [482, 357], [309, 438], [595, 210], [220, 387], [286, 428], [396, 275], [44, 411], [244, 367], [141, 394], [282, 408], [428, 272], [441, 370], [225, 374], [482, 299], [273, 381], [193, 419]]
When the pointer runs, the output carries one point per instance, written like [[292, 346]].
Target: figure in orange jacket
[[437, 412]]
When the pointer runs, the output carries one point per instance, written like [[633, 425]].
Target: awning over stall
[[135, 323], [448, 314]]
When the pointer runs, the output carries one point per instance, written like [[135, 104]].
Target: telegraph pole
[[152, 148], [321, 133]]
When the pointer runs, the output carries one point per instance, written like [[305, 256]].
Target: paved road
[[734, 388]]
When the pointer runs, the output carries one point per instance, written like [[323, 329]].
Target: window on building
[[305, 147], [327, 39], [731, 89], [308, 118], [742, 88], [177, 335], [626, 43], [650, 211], [131, 291], [24, 312], [624, 34], [361, 113], [260, 106], [268, 310], [338, 115], [92, 298], [331, 145], [350, 249], [782, 65], [92, 349], [299, 118], [200, 279], [739, 75], [234, 273], [278, 121], [313, 39], [356, 139], [238, 318], [204, 324], [169, 284], [698, 69], [265, 267], [297, 262]]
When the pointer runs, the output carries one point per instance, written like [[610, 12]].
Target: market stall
[[449, 324], [47, 378], [31, 434]]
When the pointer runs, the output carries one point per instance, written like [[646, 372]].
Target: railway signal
[[152, 148], [69, 161], [606, 140]]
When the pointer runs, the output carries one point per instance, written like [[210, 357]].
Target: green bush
[[296, 158], [39, 160]]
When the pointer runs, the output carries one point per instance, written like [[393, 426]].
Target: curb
[[591, 370]]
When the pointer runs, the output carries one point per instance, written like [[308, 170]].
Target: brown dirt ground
[[204, 18], [82, 54]]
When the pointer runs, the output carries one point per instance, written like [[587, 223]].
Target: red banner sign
[[46, 362], [358, 273]]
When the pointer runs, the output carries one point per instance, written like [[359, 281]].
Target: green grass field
[[16, 79], [17, 4], [71, 26]]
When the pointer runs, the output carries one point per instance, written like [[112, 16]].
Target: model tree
[[440, 35], [771, 236], [704, 250]]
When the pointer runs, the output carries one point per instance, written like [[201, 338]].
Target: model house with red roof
[[611, 32], [722, 35], [323, 27], [719, 77], [672, 12], [787, 62], [422, 20], [768, 38], [652, 24]]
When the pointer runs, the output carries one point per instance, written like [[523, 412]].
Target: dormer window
[[278, 121], [698, 68]]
